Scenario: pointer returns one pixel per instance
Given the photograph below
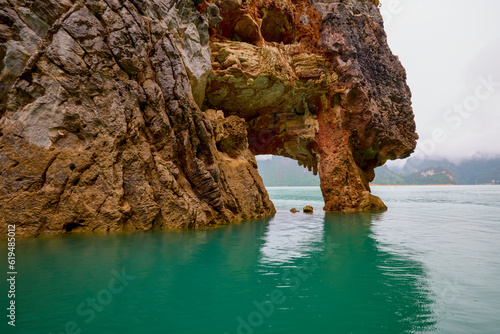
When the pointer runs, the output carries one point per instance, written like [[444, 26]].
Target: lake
[[431, 263]]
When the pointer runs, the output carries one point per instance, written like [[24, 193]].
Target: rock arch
[[334, 98], [133, 115]]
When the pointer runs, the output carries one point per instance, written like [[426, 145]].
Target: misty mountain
[[415, 171], [280, 171]]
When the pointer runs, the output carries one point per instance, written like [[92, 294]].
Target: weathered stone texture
[[101, 121], [316, 82], [99, 128]]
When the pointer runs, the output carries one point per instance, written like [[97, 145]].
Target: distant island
[[280, 171]]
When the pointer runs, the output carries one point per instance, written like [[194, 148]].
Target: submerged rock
[[132, 115], [308, 209], [293, 210], [99, 128]]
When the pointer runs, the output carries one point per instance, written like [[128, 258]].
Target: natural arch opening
[[280, 171], [292, 105]]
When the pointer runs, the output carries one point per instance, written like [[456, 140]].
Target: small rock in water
[[293, 210], [308, 209]]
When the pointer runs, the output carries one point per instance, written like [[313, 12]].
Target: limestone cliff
[[99, 126], [132, 115]]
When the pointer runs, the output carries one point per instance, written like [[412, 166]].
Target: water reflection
[[329, 269], [333, 274], [292, 238]]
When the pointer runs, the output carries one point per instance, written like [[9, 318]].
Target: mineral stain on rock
[[158, 108]]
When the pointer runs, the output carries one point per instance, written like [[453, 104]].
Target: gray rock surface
[[99, 129]]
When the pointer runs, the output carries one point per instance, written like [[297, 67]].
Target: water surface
[[429, 264]]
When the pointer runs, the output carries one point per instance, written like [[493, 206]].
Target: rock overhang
[[321, 87]]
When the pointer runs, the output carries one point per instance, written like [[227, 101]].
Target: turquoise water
[[429, 264]]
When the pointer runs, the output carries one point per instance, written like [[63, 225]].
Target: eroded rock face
[[316, 82], [99, 128], [101, 121]]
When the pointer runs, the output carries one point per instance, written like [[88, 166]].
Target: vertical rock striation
[[99, 128]]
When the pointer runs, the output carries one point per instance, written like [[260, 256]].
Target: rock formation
[[99, 126], [132, 115], [308, 209], [315, 82]]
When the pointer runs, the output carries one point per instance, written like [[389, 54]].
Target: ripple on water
[[429, 264]]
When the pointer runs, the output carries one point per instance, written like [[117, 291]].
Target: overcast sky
[[451, 52]]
